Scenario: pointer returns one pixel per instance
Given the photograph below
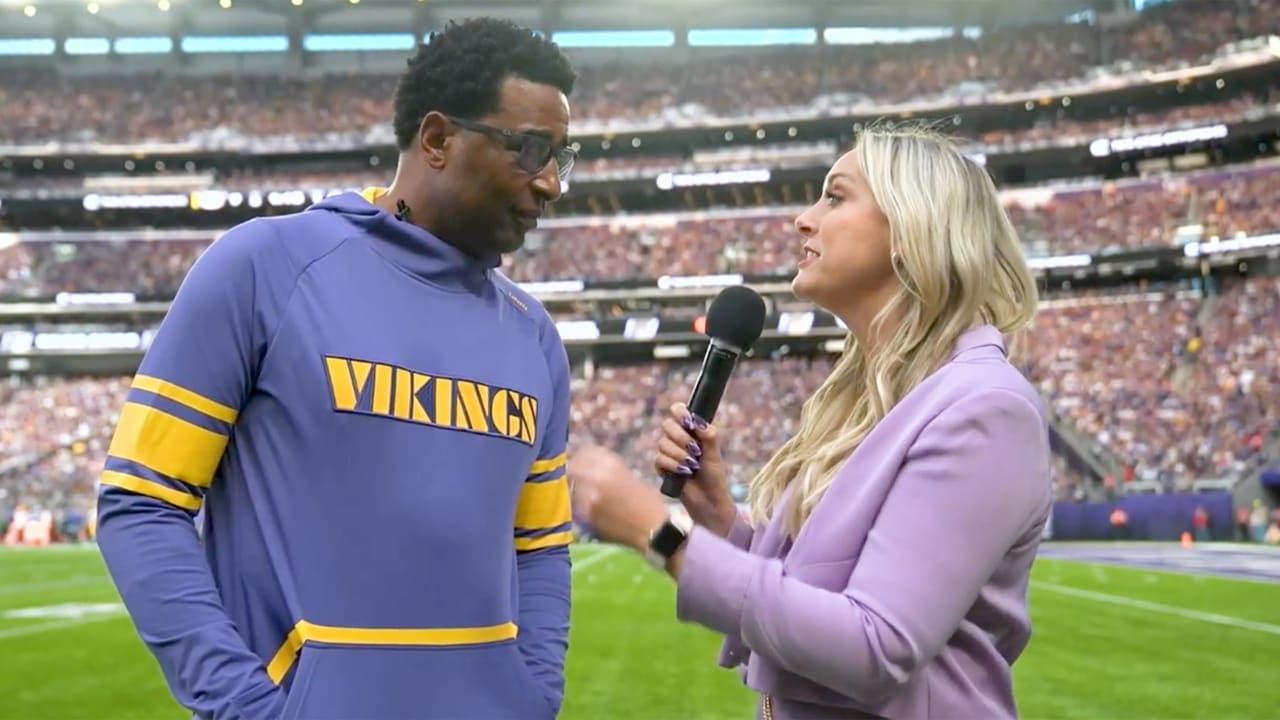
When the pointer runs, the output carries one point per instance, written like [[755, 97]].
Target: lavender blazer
[[904, 594]]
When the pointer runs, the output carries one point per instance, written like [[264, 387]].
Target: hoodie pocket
[[301, 685], [456, 683]]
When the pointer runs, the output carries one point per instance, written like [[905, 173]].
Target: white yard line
[[595, 557], [1197, 573], [24, 630], [1160, 608]]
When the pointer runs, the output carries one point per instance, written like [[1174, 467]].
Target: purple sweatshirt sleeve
[[951, 516], [168, 442], [543, 531]]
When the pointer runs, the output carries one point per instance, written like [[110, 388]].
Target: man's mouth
[[527, 218]]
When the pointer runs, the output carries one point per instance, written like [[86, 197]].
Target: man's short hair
[[459, 71]]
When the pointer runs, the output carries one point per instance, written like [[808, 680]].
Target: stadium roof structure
[[114, 18]]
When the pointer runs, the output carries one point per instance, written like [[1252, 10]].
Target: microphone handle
[[717, 366]]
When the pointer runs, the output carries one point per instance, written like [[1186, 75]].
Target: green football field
[[1109, 642]]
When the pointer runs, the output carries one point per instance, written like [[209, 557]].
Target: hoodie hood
[[411, 247]]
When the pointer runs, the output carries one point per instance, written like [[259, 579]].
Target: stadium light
[[615, 38], [296, 3], [366, 42], [27, 46], [163, 5], [143, 45], [87, 45], [29, 11], [728, 37], [224, 4], [93, 8], [234, 43]]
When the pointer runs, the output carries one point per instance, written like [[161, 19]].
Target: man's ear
[[434, 136]]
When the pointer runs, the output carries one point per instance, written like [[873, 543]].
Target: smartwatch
[[667, 538]]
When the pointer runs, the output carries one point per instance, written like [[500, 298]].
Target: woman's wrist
[[717, 518], [650, 521]]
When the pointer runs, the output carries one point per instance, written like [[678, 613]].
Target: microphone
[[734, 323]]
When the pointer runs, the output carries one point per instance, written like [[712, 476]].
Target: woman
[[884, 568]]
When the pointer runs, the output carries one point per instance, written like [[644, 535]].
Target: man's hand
[[619, 507]]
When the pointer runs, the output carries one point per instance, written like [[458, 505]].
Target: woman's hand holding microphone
[[621, 508], [690, 447]]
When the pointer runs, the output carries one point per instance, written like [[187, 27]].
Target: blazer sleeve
[[961, 499]]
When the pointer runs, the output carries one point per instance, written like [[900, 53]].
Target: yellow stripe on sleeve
[[542, 466], [152, 489], [543, 505], [179, 394], [537, 543], [167, 444]]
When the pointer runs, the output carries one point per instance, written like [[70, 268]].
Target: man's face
[[499, 195]]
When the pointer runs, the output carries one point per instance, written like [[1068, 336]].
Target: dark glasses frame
[[533, 151]]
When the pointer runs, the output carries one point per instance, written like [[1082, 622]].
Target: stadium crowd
[[41, 105], [55, 433], [1089, 218], [1174, 388], [1051, 128]]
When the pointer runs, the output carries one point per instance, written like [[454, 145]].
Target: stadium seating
[[1047, 129], [133, 133], [1175, 388], [55, 433], [1118, 368], [39, 105], [1088, 218]]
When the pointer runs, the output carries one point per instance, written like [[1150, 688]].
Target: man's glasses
[[533, 151]]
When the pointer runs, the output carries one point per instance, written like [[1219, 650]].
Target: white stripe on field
[[1161, 608], [56, 625], [593, 558]]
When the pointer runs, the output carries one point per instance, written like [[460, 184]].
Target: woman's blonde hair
[[959, 262]]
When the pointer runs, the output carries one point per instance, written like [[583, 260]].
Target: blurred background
[[1135, 143]]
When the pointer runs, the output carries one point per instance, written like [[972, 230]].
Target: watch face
[[667, 540]]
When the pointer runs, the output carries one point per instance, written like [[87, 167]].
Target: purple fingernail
[[694, 449], [702, 424], [682, 470], [686, 422], [692, 464]]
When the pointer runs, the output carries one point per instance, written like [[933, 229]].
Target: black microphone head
[[736, 317]]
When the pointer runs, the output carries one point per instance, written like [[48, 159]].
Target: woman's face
[[847, 265]]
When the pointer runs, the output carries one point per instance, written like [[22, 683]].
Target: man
[[373, 421]]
